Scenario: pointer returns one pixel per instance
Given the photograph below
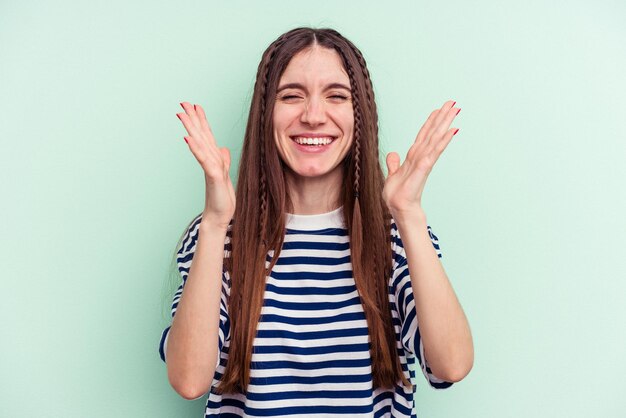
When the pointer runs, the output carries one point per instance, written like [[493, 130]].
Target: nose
[[314, 112]]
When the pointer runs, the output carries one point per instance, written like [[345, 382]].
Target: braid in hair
[[384, 354], [263, 179], [357, 132], [371, 104]]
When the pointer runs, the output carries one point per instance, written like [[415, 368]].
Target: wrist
[[212, 225], [409, 216]]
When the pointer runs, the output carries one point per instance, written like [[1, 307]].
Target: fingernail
[[181, 105], [453, 104], [185, 138], [178, 116], [455, 132], [194, 107], [457, 112]]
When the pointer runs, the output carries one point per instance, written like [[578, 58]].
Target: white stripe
[[331, 326], [321, 313], [310, 298], [314, 268], [272, 342]]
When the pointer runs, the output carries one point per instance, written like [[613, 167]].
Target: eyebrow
[[301, 87]]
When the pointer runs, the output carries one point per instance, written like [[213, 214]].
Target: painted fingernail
[[181, 105], [185, 138], [455, 132], [457, 112], [453, 104], [178, 116], [194, 107]]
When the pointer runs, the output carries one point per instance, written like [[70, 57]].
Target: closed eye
[[290, 97]]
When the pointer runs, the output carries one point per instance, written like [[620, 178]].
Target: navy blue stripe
[[311, 275], [405, 329], [401, 408], [319, 261], [162, 343], [303, 306], [186, 240], [332, 394], [353, 316], [340, 232], [186, 257], [399, 260], [305, 351], [402, 295], [325, 246], [388, 395], [383, 411], [441, 385]]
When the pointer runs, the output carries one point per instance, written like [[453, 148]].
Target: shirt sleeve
[[405, 305], [184, 260]]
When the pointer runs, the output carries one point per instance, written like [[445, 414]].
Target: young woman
[[297, 295]]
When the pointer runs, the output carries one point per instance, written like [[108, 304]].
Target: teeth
[[313, 141]]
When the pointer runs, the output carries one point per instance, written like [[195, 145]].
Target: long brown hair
[[262, 199]]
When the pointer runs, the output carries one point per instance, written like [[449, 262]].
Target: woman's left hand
[[404, 184]]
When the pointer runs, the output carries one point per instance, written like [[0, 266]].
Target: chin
[[312, 173]]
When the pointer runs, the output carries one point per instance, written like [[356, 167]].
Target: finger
[[190, 126], [446, 121], [209, 159], [191, 112], [445, 141], [439, 126], [204, 124], [427, 125], [443, 111], [193, 147], [422, 134], [393, 163], [201, 144]]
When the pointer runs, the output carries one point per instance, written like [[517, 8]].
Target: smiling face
[[313, 118]]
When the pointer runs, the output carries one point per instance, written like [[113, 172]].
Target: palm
[[405, 183], [215, 162]]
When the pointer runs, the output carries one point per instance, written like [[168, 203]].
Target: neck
[[314, 195]]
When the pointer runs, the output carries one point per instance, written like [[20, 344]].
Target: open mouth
[[313, 142]]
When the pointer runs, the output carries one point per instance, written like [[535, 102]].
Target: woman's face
[[313, 117]]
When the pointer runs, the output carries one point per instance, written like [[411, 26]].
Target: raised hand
[[405, 183], [215, 162]]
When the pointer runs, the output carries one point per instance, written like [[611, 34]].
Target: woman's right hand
[[219, 206]]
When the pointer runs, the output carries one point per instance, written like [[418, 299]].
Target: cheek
[[278, 144], [348, 120]]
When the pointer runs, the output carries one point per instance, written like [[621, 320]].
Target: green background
[[98, 184]]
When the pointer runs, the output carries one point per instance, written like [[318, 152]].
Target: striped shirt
[[311, 352]]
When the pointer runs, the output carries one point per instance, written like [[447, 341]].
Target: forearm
[[443, 326], [193, 337]]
